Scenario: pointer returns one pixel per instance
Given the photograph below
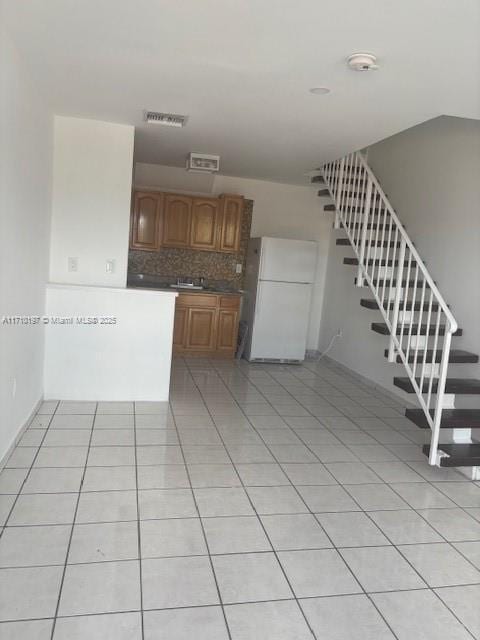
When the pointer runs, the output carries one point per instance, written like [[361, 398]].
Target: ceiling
[[241, 70]]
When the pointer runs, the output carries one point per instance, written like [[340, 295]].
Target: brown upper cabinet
[[147, 220], [172, 220], [203, 233], [231, 223], [176, 221]]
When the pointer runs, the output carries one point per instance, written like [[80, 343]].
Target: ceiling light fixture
[[320, 91]]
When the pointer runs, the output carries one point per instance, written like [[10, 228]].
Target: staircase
[[416, 318]]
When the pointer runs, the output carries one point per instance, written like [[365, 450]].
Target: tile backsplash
[[217, 268]]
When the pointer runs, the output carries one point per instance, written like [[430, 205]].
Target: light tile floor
[[265, 502]]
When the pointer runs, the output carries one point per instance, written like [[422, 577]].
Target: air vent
[[166, 119], [202, 163]]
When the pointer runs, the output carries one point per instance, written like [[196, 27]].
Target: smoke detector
[[166, 119], [362, 62]]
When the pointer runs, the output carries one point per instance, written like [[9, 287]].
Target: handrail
[[413, 310]]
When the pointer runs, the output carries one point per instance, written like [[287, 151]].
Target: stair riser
[[460, 436], [420, 341], [448, 401], [390, 294], [429, 368]]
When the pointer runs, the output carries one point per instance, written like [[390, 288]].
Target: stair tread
[[393, 283], [451, 418], [455, 356], [460, 455], [378, 243], [381, 327], [463, 386], [369, 303], [348, 194], [331, 207], [378, 262], [373, 225]]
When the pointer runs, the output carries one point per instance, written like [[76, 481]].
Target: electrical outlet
[[110, 266], [72, 264], [339, 333], [238, 268]]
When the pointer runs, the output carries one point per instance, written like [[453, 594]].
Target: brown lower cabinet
[[206, 324]]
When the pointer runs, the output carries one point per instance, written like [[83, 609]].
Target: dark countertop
[[159, 286]]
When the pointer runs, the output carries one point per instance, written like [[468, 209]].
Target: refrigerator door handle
[[257, 303]]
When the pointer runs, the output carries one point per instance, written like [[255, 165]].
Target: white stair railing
[[419, 321]]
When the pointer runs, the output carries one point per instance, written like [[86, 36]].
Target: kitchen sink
[[195, 287]]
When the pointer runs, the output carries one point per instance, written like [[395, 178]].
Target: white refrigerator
[[278, 283]]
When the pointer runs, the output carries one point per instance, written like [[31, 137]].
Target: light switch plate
[[72, 264], [238, 268], [110, 266]]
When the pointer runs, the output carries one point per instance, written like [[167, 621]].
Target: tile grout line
[[192, 492], [62, 580], [19, 493], [139, 535]]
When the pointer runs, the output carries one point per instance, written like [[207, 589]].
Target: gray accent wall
[[431, 174]]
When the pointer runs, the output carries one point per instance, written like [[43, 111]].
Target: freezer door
[[280, 321], [287, 260]]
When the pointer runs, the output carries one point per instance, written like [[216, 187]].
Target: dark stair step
[[382, 328], [374, 226], [457, 356], [348, 194], [372, 304], [331, 207], [347, 179], [346, 241], [461, 455], [451, 418], [463, 386], [393, 283], [378, 262]]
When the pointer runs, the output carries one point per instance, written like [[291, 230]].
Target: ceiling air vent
[[167, 119], [202, 163]]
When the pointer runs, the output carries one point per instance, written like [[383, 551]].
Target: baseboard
[[19, 434], [370, 383]]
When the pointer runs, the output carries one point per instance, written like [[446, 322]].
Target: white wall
[[431, 175], [280, 210], [128, 360], [25, 189], [93, 163]]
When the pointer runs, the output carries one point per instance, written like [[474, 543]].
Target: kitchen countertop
[[156, 286]]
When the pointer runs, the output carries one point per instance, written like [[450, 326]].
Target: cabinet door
[[203, 233], [231, 223], [179, 326], [201, 329], [146, 220], [227, 330], [176, 221]]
